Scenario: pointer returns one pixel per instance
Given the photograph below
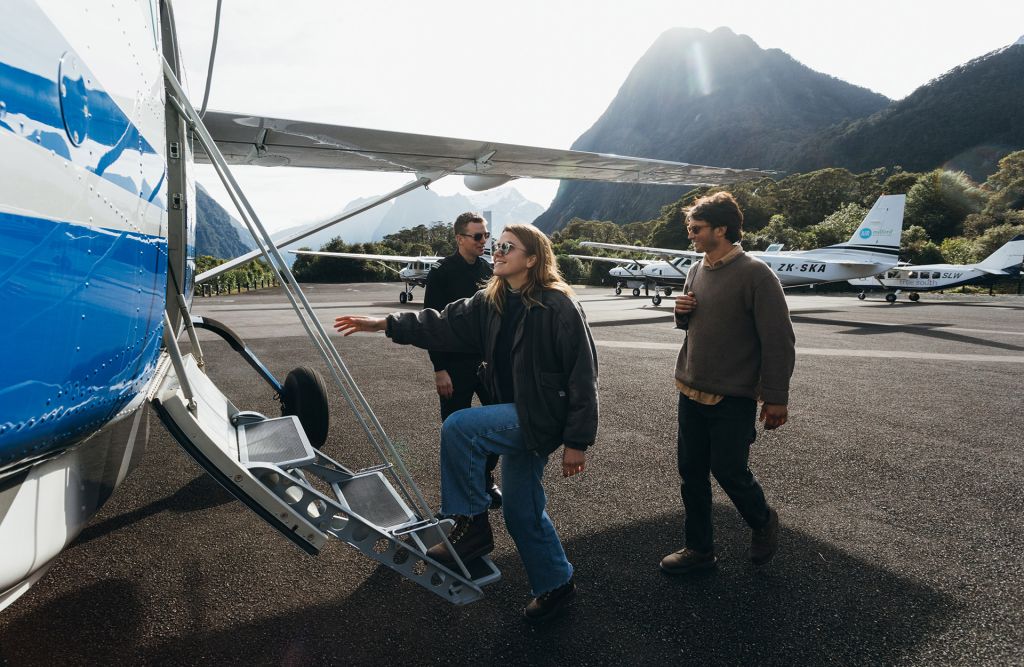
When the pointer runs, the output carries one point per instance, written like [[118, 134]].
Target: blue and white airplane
[[1004, 263], [97, 235]]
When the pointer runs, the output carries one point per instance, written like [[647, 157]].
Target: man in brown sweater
[[739, 348]]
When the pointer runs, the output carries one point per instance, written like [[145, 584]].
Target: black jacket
[[452, 279], [554, 362]]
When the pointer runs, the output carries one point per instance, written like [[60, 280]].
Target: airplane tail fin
[[1007, 258], [883, 225]]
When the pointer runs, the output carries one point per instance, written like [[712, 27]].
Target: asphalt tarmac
[[899, 482]]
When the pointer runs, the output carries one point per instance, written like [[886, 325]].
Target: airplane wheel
[[618, 291], [861, 296], [891, 298], [656, 299], [403, 297], [914, 296], [636, 291], [408, 297], [668, 291], [304, 394]]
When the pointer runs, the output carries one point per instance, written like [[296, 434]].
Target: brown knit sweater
[[739, 339]]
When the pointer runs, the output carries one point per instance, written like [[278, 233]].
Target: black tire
[[403, 297], [618, 291], [408, 297], [914, 296], [304, 394], [668, 291], [636, 291], [891, 298], [656, 299]]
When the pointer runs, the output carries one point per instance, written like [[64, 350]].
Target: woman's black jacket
[[554, 361]]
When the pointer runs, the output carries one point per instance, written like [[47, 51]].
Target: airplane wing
[[401, 259], [257, 140], [665, 252], [614, 260]]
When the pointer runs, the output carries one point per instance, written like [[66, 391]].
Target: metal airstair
[[269, 463]]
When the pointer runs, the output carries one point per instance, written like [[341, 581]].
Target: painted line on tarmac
[[836, 352]]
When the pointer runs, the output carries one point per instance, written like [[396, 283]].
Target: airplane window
[[935, 275], [913, 275]]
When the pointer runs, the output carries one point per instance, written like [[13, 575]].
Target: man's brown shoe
[[764, 542], [471, 537], [550, 604], [687, 560]]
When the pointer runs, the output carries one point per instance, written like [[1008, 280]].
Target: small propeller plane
[[873, 248], [98, 227], [1005, 262], [627, 273], [413, 273]]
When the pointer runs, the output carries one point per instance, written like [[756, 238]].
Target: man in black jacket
[[457, 277]]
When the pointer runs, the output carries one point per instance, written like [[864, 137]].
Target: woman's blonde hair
[[543, 275]]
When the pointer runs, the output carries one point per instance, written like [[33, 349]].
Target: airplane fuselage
[[84, 200]]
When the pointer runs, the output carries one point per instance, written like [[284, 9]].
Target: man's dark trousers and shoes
[[715, 440], [764, 541], [687, 561], [548, 605]]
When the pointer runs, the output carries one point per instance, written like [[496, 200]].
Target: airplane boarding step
[[269, 464]]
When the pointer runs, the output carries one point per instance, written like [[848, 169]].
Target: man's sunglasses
[[478, 237], [503, 248]]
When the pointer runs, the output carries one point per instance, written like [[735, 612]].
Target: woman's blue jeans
[[467, 438]]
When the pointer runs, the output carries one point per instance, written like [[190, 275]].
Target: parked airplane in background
[[627, 273], [872, 249], [413, 274], [1003, 263], [97, 205]]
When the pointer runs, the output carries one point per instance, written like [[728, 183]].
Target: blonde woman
[[540, 365]]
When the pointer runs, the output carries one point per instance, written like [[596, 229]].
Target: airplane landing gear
[[636, 291], [668, 291], [405, 297], [656, 299], [861, 296], [914, 296], [891, 298], [618, 289]]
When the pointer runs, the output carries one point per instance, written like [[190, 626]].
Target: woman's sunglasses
[[478, 237], [503, 248]]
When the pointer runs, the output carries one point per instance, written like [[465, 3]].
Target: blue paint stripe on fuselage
[[81, 335], [32, 111]]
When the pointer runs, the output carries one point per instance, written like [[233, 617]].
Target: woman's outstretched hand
[[573, 461], [350, 324]]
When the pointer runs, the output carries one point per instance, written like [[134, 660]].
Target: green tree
[[571, 269], [777, 230], [917, 248], [957, 250], [838, 227], [941, 200], [1007, 185], [993, 238]]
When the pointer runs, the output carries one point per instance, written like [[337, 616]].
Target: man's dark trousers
[[465, 383], [715, 440]]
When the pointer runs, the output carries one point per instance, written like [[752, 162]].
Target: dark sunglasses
[[478, 237], [503, 248]]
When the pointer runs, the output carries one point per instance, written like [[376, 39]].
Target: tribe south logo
[[865, 233]]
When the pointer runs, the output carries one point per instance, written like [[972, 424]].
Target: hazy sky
[[529, 72]]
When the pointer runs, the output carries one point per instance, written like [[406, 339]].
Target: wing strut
[[204, 432]]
